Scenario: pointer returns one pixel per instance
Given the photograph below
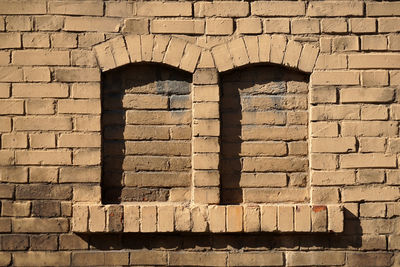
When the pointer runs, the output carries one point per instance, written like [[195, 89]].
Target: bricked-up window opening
[[146, 131], [264, 128]]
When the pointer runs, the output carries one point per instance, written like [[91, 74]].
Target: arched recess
[[146, 116]]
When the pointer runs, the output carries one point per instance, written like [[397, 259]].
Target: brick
[[278, 46], [91, 106], [331, 62], [174, 52], [5, 225], [372, 128], [41, 191], [199, 219], [88, 258], [369, 259], [5, 124], [336, 78], [167, 9], [179, 195], [148, 257], [14, 242], [375, 160], [274, 195], [206, 60], [76, 8], [40, 57], [36, 40], [234, 219], [37, 74], [308, 58], [219, 26], [335, 9], [145, 101], [292, 54], [44, 242], [333, 25], [238, 51], [252, 48], [77, 75], [42, 123], [41, 258], [221, 9], [216, 215], [393, 42], [333, 145], [119, 9], [10, 40], [136, 26], [182, 219], [79, 140], [40, 90], [277, 8], [273, 164], [72, 241], [285, 218], [324, 95], [374, 42], [11, 74], [251, 219], [332, 178], [11, 106], [111, 54], [181, 26], [165, 219], [372, 144], [316, 258], [222, 57], [86, 157], [148, 221], [89, 39], [372, 210], [40, 225], [345, 43], [79, 175], [7, 157], [255, 259], [43, 174], [302, 218], [85, 90], [88, 24], [86, 193], [382, 9], [97, 219], [48, 23], [249, 25], [64, 40], [46, 208], [23, 7], [7, 192], [15, 209], [5, 90], [131, 218], [5, 258], [114, 218], [374, 113], [303, 26], [49, 157], [276, 25], [362, 25], [87, 123], [83, 58], [374, 61], [14, 140], [193, 258], [206, 195], [269, 217], [190, 57], [374, 78]]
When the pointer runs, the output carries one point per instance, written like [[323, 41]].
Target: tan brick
[[335, 112], [136, 26], [5, 225], [255, 259], [48, 23], [5, 90], [88, 24], [251, 219], [97, 219], [292, 54], [5, 258], [370, 128], [193, 258], [149, 257], [308, 58], [324, 95], [302, 218], [40, 225], [148, 221], [199, 218], [43, 174], [37, 74], [238, 51], [119, 9], [10, 40], [35, 40], [249, 25], [40, 57], [83, 58], [23, 7], [393, 42], [158, 117], [11, 106], [41, 258], [335, 9], [372, 61], [76, 8], [332, 177], [179, 195], [77, 75], [7, 157], [79, 106], [382, 9], [221, 9], [303, 26], [374, 112], [190, 57], [182, 219], [345, 43], [177, 26], [336, 78], [374, 42], [333, 145], [87, 123], [90, 38], [316, 258], [11, 74], [278, 46], [333, 25], [165, 219], [277, 8], [276, 25], [285, 218], [372, 210], [79, 175], [42, 123], [331, 62], [252, 48], [15, 140], [269, 221], [234, 219], [13, 174], [86, 157], [87, 193], [374, 160], [219, 26], [216, 215], [88, 258], [374, 78], [174, 52], [206, 195], [131, 218], [222, 57], [167, 9], [362, 25], [49, 157], [206, 128], [64, 40], [324, 195], [5, 124], [370, 176], [40, 90], [372, 259], [85, 90], [368, 193], [208, 161]]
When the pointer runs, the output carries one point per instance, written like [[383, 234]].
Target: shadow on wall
[[263, 118], [350, 238], [146, 132]]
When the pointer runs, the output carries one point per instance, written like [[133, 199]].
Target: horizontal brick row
[[216, 219]]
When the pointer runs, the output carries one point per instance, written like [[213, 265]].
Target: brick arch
[[276, 49], [134, 48]]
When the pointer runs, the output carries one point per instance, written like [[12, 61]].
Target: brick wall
[[117, 119]]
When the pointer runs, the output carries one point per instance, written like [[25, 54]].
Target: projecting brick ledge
[[167, 217]]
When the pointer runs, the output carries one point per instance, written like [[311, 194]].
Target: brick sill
[[166, 217]]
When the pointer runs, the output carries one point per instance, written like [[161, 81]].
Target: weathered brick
[[148, 217], [335, 9], [316, 258], [374, 61], [40, 225], [274, 195], [76, 8], [164, 9], [148, 257], [277, 8], [221, 9], [369, 128], [182, 219], [40, 57], [41, 258], [276, 25], [382, 9], [333, 145], [369, 259], [362, 25], [193, 258], [119, 9], [48, 157], [14, 140], [15, 209], [36, 40], [64, 40], [42, 123], [23, 7], [10, 40], [249, 26], [37, 74], [48, 23], [40, 90], [88, 24], [91, 106], [304, 26], [219, 26], [177, 26], [255, 259]]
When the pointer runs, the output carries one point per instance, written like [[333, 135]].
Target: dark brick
[[46, 208], [14, 242], [31, 192], [44, 242], [72, 242]]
